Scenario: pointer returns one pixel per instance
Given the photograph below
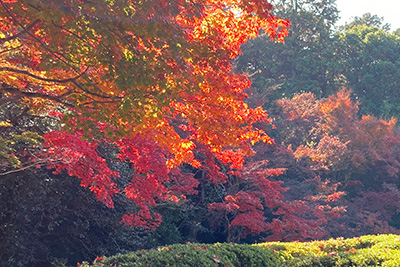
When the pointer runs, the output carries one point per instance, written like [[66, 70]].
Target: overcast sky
[[389, 9]]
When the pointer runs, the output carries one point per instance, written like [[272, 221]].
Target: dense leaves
[[306, 61], [131, 73], [47, 218], [361, 155], [332, 137], [152, 80], [154, 64], [371, 66], [320, 58], [360, 251]]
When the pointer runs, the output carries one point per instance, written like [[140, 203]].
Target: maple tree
[[249, 200], [151, 77]]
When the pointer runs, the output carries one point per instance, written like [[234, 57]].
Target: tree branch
[[41, 163], [16, 91], [41, 78], [60, 56], [24, 31]]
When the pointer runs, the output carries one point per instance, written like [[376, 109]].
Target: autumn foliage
[[153, 78], [359, 154], [142, 104]]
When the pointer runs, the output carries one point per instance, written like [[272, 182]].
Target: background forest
[[330, 169]]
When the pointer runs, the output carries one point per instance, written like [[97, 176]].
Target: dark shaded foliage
[[46, 217]]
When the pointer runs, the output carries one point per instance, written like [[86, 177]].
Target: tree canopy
[[306, 61], [370, 63], [154, 78]]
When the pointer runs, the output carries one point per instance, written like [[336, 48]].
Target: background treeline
[[333, 168], [318, 57]]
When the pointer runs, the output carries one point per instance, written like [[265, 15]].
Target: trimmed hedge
[[194, 255], [381, 250]]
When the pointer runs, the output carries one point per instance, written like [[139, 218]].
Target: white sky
[[389, 9]]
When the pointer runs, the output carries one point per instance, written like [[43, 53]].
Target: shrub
[[381, 250], [226, 254]]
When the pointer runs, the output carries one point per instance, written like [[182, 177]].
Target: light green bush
[[381, 250]]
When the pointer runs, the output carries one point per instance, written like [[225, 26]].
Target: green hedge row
[[381, 250], [194, 255]]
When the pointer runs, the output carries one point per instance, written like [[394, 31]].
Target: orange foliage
[[136, 70], [361, 155]]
